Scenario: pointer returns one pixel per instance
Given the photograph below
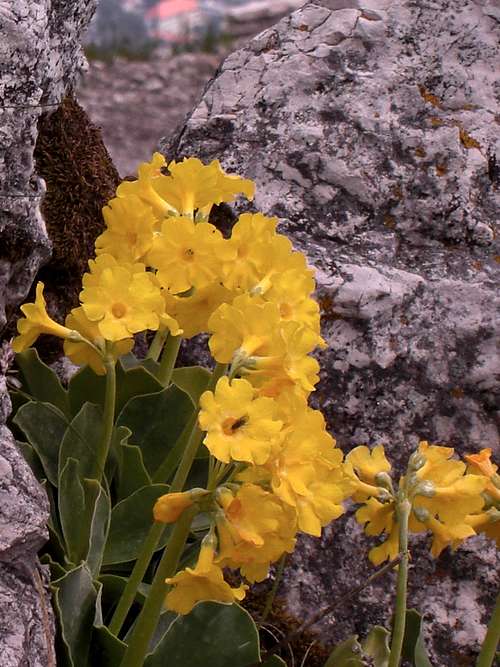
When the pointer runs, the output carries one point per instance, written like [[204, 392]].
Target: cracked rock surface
[[372, 130], [40, 58]]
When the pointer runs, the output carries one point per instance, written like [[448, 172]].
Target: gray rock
[[371, 130], [40, 58], [27, 618]]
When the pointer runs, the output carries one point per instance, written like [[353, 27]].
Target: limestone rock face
[[372, 130], [40, 58]]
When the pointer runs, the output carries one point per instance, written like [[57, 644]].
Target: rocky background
[[371, 130]]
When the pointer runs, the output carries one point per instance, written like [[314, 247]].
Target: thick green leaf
[[106, 649], [413, 644], [40, 381], [74, 600], [131, 520], [212, 635], [112, 588], [119, 437], [346, 654], [32, 459], [56, 569], [376, 646], [156, 421], [44, 425], [82, 439], [85, 386], [193, 380], [72, 510], [132, 473], [98, 503]]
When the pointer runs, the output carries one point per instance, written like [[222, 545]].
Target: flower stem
[[492, 639], [148, 618], [157, 344], [128, 596], [168, 359], [108, 416], [272, 593], [398, 633], [191, 437]]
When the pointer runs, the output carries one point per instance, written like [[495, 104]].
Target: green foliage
[[40, 382], [212, 635], [413, 646], [373, 650]]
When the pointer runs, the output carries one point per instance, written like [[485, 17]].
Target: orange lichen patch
[[327, 309], [457, 392], [429, 97], [397, 192], [441, 169], [376, 114], [497, 119], [466, 139], [303, 27], [477, 265], [436, 122], [420, 151], [496, 258], [368, 17], [470, 107], [389, 221]]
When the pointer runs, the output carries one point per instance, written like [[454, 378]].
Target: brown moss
[[80, 176]]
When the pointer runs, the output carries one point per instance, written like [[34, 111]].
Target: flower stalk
[[492, 640], [403, 515], [168, 359], [108, 415]]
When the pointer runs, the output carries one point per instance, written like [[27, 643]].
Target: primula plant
[[163, 480]]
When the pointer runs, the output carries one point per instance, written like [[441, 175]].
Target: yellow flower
[[35, 322], [193, 312], [192, 186], [248, 234], [255, 529], [453, 492], [388, 550], [80, 352], [444, 534], [168, 508], [149, 173], [107, 261], [380, 518], [122, 302], [239, 426], [487, 523], [187, 254], [481, 464], [252, 329], [204, 582], [307, 473], [291, 290], [361, 466], [129, 235]]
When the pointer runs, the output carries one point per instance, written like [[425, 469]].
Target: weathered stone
[[371, 130], [40, 57]]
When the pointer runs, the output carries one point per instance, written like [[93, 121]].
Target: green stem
[[192, 435], [108, 416], [157, 344], [148, 618], [272, 593], [168, 358], [492, 639], [128, 596], [169, 463], [398, 633]]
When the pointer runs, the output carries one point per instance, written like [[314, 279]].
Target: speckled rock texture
[[40, 58], [372, 130]]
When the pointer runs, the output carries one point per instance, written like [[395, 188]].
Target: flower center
[[232, 424], [188, 254], [119, 310], [286, 311]]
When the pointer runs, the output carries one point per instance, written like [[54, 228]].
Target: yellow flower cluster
[[447, 498]]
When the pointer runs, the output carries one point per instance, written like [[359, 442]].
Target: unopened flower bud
[[169, 507], [384, 495], [384, 480], [425, 488], [416, 461], [421, 514]]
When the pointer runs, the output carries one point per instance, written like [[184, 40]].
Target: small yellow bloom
[[80, 352], [192, 186], [149, 173], [481, 464], [122, 302], [255, 529], [239, 425], [129, 234], [204, 582], [35, 322], [193, 312], [186, 254], [361, 466], [487, 523], [168, 508]]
